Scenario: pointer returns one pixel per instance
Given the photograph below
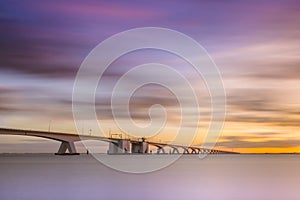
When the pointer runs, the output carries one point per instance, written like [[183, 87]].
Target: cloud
[[95, 9], [243, 142], [26, 49], [259, 106], [139, 104], [51, 39], [272, 59], [42, 45]]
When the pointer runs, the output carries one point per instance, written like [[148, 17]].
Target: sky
[[255, 45]]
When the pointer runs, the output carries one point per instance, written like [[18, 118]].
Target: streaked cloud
[[255, 44]]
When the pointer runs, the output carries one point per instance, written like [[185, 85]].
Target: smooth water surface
[[240, 177]]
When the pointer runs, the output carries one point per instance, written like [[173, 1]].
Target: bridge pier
[[175, 150], [193, 151], [121, 146], [202, 151], [186, 150], [160, 149], [67, 145], [139, 147]]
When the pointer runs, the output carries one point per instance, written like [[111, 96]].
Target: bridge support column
[[140, 147], [175, 150], [160, 149], [121, 146], [208, 151], [193, 151], [185, 150], [200, 151], [65, 145]]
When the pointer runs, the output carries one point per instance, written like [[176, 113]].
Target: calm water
[[241, 177]]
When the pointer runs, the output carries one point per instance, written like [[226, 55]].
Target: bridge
[[116, 145]]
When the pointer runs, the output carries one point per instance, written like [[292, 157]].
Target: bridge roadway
[[116, 145]]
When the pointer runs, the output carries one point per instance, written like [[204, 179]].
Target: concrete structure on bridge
[[116, 145], [140, 147], [119, 146], [128, 146]]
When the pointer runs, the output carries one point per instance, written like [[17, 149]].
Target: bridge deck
[[68, 140]]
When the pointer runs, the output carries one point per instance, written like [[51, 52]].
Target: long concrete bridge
[[116, 145]]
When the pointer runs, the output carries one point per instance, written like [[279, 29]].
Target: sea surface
[[240, 177]]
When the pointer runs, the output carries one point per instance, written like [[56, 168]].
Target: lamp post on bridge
[[49, 125]]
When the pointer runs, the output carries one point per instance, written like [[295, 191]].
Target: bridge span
[[116, 145]]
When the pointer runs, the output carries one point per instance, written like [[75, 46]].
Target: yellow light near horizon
[[262, 150]]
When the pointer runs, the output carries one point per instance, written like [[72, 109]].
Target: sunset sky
[[255, 44]]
